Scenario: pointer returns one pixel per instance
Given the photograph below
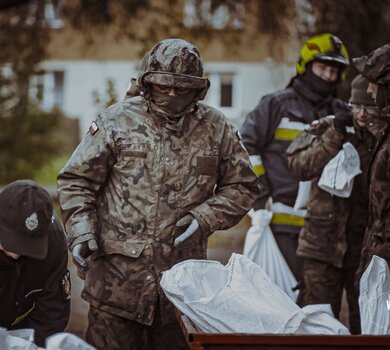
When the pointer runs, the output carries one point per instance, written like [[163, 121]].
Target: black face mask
[[317, 85], [171, 105]]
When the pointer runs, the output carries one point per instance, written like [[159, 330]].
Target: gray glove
[[82, 251], [189, 232]]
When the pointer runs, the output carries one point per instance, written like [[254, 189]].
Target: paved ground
[[221, 245]]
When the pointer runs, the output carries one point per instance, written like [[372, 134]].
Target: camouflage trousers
[[324, 284], [111, 332]]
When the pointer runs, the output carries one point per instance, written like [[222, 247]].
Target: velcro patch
[[93, 128]]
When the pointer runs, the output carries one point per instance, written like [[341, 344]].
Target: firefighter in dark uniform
[[278, 119], [35, 284]]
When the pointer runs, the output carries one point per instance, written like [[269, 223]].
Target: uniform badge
[[66, 286], [93, 128], [32, 222]]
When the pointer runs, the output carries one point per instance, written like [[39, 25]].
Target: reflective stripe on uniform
[[287, 219], [288, 130], [286, 215], [22, 317], [257, 165]]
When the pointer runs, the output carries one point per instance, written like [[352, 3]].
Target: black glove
[[82, 251], [188, 232], [343, 119]]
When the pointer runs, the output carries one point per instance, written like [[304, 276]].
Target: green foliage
[[28, 137], [47, 174], [27, 142]]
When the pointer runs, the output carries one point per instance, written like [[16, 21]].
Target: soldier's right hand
[[82, 251]]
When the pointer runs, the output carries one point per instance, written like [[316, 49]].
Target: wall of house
[[247, 81]]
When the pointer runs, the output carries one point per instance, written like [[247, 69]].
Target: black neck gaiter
[[319, 86]]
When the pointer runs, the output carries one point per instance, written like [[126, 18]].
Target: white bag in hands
[[337, 176], [260, 246]]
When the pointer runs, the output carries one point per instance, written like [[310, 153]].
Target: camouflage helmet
[[376, 65], [177, 63], [323, 47]]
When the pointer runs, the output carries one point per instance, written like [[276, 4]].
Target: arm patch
[[93, 128]]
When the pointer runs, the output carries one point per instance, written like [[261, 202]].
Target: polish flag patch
[[93, 128]]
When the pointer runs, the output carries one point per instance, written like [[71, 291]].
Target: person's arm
[[79, 183], [52, 307], [257, 132], [310, 151], [236, 188]]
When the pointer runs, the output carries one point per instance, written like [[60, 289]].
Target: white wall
[[81, 78]]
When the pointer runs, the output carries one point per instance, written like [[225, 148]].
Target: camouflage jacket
[[379, 193], [267, 132], [334, 227], [130, 180]]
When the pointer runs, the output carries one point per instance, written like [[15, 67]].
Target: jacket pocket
[[321, 229], [26, 305], [131, 248]]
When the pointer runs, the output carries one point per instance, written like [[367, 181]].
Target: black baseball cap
[[26, 216]]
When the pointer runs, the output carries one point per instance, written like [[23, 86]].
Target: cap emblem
[[32, 222]]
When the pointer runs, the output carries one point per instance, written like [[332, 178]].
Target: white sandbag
[[238, 298], [337, 176], [374, 298], [11, 342], [315, 319], [303, 195], [67, 341], [260, 246]]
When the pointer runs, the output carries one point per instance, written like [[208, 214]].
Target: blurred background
[[61, 62]]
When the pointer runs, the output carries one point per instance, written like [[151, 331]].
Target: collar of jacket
[[7, 263], [302, 89], [378, 127]]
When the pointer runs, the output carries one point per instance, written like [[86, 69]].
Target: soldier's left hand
[[188, 232]]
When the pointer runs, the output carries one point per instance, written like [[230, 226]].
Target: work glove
[[188, 232], [82, 251], [342, 120]]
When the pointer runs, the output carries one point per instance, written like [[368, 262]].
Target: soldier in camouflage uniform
[[376, 68], [331, 238], [151, 169]]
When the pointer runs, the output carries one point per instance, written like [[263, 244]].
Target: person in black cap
[[376, 68], [34, 279]]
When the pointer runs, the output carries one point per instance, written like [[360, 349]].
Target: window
[[226, 82], [200, 13], [48, 89], [53, 14], [223, 93]]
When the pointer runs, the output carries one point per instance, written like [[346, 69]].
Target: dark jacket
[[267, 132], [334, 227], [377, 237], [36, 293]]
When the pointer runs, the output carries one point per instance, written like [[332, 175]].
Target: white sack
[[67, 341], [303, 195], [11, 342], [374, 298], [337, 176], [238, 298], [260, 246]]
